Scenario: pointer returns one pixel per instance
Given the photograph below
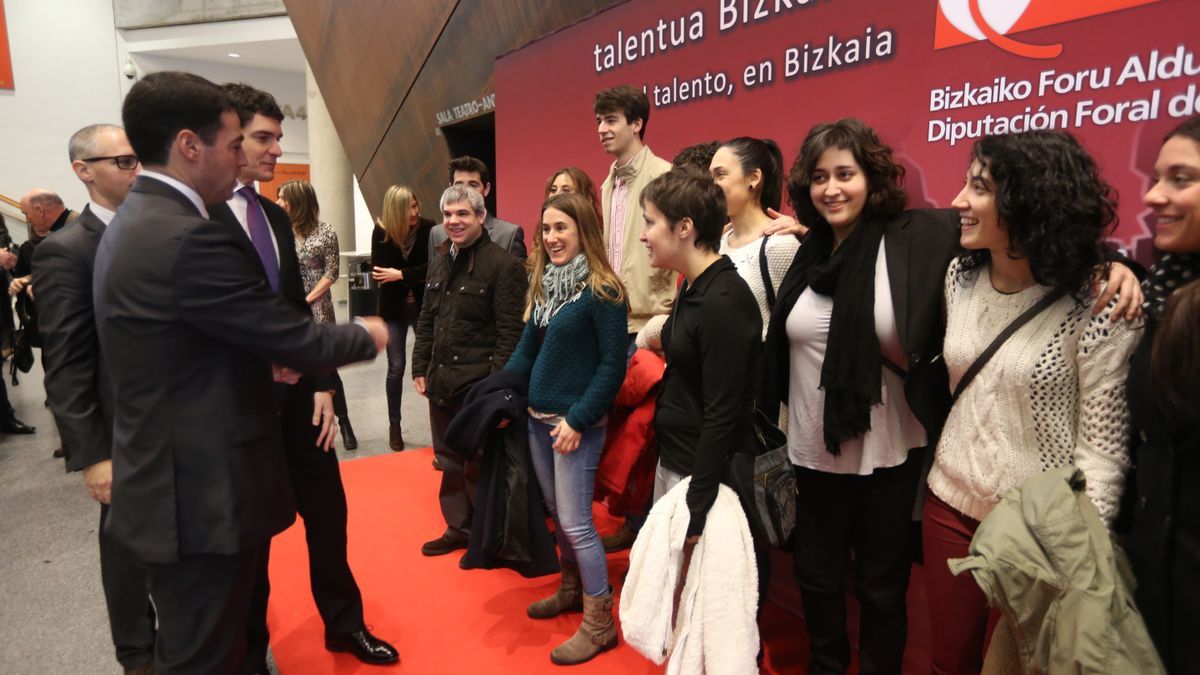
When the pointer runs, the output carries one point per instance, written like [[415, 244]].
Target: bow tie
[[625, 173]]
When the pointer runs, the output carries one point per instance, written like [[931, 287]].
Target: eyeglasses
[[124, 162]]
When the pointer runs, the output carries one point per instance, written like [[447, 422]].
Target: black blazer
[[189, 328], [291, 284], [384, 253], [919, 245], [77, 383]]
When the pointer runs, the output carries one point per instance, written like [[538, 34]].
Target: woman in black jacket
[[1164, 542], [399, 256]]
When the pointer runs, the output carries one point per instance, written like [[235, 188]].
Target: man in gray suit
[[77, 383], [190, 328], [473, 173]]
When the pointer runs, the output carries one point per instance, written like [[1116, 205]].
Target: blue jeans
[[397, 360], [567, 483]]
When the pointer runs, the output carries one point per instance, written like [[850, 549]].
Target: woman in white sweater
[[1033, 215], [750, 173]]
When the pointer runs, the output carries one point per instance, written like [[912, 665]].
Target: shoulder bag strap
[[768, 285], [1000, 339]]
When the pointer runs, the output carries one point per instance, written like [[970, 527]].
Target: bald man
[[77, 383]]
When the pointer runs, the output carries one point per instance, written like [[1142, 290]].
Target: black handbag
[[763, 478], [22, 354]]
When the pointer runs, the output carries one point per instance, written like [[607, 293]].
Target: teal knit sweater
[[579, 367]]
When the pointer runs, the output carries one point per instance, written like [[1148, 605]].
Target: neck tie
[[260, 235]]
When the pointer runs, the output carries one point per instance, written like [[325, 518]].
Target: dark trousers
[[339, 397], [869, 515], [130, 613], [7, 414], [321, 503], [457, 492], [203, 602]]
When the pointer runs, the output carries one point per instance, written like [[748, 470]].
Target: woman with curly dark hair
[[1164, 540], [853, 348], [1034, 212], [839, 343]]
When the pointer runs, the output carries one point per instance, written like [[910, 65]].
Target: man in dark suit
[[309, 424], [77, 385], [189, 327], [473, 173]]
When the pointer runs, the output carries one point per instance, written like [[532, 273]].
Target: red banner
[[931, 76]]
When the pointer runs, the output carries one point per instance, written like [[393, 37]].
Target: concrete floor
[[52, 614]]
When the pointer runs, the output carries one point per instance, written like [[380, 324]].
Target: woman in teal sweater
[[573, 351]]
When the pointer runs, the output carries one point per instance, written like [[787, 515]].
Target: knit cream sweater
[[1053, 395]]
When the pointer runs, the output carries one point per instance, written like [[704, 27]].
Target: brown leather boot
[[619, 540], [568, 597], [395, 437], [596, 634]]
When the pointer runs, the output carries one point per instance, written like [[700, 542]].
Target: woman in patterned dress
[[317, 252]]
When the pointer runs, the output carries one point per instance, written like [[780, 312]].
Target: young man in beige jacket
[[621, 116]]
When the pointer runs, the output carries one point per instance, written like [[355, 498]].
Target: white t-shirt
[[894, 428]]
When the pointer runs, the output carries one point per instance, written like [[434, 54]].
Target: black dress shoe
[[364, 646], [16, 426], [443, 545], [349, 441], [59, 453]]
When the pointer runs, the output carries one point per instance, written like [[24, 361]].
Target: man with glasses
[[77, 384]]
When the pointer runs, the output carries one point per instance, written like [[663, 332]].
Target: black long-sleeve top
[[385, 253], [705, 408]]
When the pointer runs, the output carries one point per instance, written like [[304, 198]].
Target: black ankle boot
[[348, 439]]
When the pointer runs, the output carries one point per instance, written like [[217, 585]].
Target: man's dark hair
[[627, 100], [469, 164], [699, 155], [162, 104], [690, 193], [250, 101]]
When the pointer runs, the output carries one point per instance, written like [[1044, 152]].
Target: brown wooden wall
[[387, 67]]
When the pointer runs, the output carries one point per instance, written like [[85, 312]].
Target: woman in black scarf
[[1164, 543], [854, 349]]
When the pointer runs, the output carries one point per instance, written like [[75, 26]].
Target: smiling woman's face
[[838, 190], [1175, 196]]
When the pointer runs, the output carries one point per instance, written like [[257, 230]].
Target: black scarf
[[1172, 272], [851, 372]]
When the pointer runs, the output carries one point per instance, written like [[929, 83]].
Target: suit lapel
[[897, 244], [223, 215]]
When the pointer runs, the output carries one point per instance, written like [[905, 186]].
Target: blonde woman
[[399, 258], [573, 351]]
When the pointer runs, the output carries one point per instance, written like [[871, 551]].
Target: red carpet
[[443, 619]]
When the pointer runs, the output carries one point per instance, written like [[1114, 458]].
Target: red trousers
[[960, 618]]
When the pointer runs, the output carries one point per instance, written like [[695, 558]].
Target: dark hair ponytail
[[764, 155]]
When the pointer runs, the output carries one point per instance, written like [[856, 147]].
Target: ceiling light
[[234, 55]]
